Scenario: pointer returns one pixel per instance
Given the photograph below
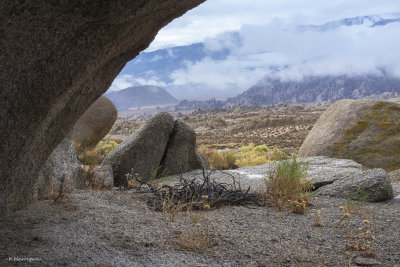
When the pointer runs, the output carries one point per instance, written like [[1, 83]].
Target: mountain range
[[271, 91]]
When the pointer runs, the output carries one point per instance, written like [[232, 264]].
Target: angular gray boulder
[[366, 131], [369, 186], [161, 145], [181, 154], [56, 60], [61, 170], [95, 123], [142, 151]]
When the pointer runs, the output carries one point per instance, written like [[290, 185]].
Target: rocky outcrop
[[341, 178], [56, 60], [369, 186], [95, 123], [62, 170], [161, 144], [366, 131], [181, 154]]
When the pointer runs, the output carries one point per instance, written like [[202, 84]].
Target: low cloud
[[354, 50]]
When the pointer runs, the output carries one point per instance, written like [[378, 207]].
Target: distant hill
[[318, 89], [140, 96]]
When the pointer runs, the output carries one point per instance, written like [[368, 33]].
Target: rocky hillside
[[318, 89], [141, 96]]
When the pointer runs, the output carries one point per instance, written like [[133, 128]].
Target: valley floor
[[284, 127], [116, 227]]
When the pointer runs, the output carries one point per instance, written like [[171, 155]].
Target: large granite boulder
[[370, 186], [366, 131], [141, 151], [61, 170], [56, 59], [95, 123], [181, 154]]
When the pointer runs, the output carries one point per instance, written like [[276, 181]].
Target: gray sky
[[217, 16]]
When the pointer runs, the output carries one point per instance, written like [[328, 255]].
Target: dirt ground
[[117, 228]]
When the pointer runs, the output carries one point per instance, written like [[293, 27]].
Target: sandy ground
[[117, 228]]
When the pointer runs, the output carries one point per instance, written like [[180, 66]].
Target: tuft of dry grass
[[287, 184], [93, 156], [49, 192], [361, 239], [317, 217], [91, 181], [198, 237]]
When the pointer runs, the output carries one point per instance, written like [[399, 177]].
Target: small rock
[[361, 261]]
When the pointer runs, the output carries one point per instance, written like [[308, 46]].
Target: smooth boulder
[[181, 154], [56, 60], [369, 186], [95, 123], [366, 131], [61, 171]]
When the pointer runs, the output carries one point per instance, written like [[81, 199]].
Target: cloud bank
[[355, 50]]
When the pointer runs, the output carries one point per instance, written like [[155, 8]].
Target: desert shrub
[[287, 184], [93, 156]]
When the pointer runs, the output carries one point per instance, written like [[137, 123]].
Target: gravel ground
[[116, 227]]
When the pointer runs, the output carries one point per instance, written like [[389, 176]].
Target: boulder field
[[56, 59]]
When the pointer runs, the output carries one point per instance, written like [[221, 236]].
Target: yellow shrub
[[246, 155]]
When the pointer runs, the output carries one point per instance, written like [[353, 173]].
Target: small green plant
[[287, 184]]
